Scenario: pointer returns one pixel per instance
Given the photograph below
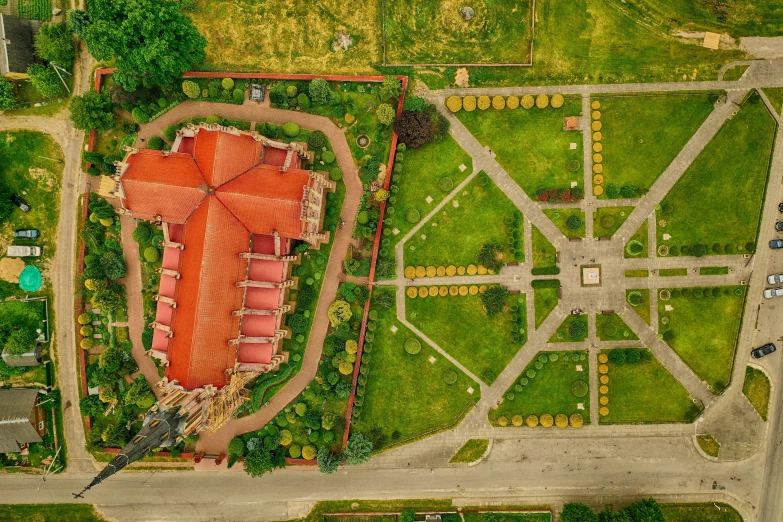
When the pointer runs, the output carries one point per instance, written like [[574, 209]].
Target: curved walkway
[[217, 442]]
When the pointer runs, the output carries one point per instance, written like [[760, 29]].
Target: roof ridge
[[232, 213], [241, 173]]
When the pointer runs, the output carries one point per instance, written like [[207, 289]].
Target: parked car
[[762, 351], [774, 279], [24, 251], [776, 243], [20, 202], [31, 233], [773, 292], [779, 226], [780, 207]]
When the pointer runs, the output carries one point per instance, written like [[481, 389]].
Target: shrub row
[[555, 194], [545, 270], [545, 283], [418, 272], [546, 420], [699, 250], [705, 292], [470, 103], [443, 291]]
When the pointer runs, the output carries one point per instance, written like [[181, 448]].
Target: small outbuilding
[[22, 420], [17, 51]]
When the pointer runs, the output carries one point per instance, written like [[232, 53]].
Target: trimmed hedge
[[545, 270]]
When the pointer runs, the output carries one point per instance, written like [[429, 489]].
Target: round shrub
[[317, 140], [579, 388], [488, 375], [576, 420], [512, 102], [449, 376], [502, 421], [309, 452], [412, 216], [634, 247], [211, 120], [86, 343], [142, 233], [498, 103], [574, 222], [446, 184], [469, 103], [603, 411], [238, 94], [151, 254], [140, 115], [609, 329], [86, 331], [84, 318], [547, 420], [291, 129], [517, 420], [531, 373], [304, 102], [561, 421], [191, 89], [335, 174], [228, 84], [155, 143], [573, 165], [557, 101], [510, 396], [523, 381], [412, 346], [484, 102], [328, 157], [542, 101], [612, 191], [528, 101], [531, 421], [454, 103], [576, 329]]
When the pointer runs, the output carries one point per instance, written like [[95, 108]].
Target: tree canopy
[[54, 43], [7, 97], [151, 41], [358, 449], [328, 462], [45, 80], [414, 128], [261, 461], [92, 110]]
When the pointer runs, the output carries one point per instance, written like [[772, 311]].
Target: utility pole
[[59, 69]]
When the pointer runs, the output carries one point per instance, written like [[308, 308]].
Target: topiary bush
[[577, 329], [574, 222], [291, 129], [191, 89], [454, 103], [576, 420], [449, 377], [238, 95], [155, 143], [634, 247], [579, 388], [412, 346], [151, 254], [227, 83], [328, 157], [412, 216]]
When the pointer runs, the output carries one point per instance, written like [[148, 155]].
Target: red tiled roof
[[267, 200], [199, 352], [166, 186], [223, 156]]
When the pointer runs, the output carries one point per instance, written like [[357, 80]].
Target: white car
[[773, 292], [24, 251], [775, 279]]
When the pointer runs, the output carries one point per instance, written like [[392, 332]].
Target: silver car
[[773, 292], [775, 279]]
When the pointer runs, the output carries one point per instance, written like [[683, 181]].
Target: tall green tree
[[151, 41], [7, 96], [45, 80], [358, 449], [575, 512], [54, 43], [92, 110], [261, 461], [21, 340], [328, 462]]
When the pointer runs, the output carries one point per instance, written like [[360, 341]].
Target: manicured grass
[[756, 388], [531, 145], [606, 220], [460, 326], [611, 327], [708, 445], [549, 390], [643, 308], [673, 272], [637, 273], [544, 300], [643, 134], [50, 513], [735, 73], [713, 270], [456, 234], [430, 171], [775, 96], [708, 512], [559, 216], [562, 335], [718, 200], [645, 392], [37, 180], [704, 330], [427, 31], [471, 451], [641, 236], [544, 253], [406, 393]]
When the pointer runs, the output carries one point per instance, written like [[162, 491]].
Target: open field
[[642, 135], [757, 388], [433, 31], [455, 235], [547, 386], [717, 202], [460, 326], [531, 144], [640, 303], [406, 394], [702, 329], [645, 392], [50, 513]]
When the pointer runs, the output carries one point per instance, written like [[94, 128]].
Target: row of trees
[[646, 510]]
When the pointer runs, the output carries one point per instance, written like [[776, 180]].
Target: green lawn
[[559, 216], [708, 444], [637, 273], [775, 95], [735, 73], [562, 334], [456, 234], [471, 451], [50, 513], [708, 512], [673, 272], [544, 301], [643, 306], [645, 392], [501, 516], [427, 31], [549, 390], [460, 326], [531, 145], [756, 388], [606, 220], [24, 171], [406, 393], [704, 330], [713, 270], [430, 171], [544, 253], [643, 134], [611, 327], [641, 236], [718, 200]]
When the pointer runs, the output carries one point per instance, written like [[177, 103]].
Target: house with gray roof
[[17, 51], [21, 419]]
